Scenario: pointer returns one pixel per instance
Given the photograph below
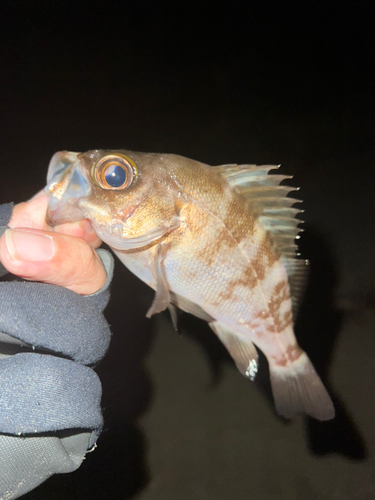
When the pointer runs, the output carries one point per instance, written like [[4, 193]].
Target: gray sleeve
[[50, 416], [5, 215], [53, 318], [101, 297], [25, 463], [50, 402]]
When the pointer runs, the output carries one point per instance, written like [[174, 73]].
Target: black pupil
[[115, 176]]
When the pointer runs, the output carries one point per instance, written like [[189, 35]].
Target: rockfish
[[217, 242]]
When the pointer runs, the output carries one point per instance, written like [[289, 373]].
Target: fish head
[[125, 195]]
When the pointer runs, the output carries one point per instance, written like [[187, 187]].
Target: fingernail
[[28, 246]]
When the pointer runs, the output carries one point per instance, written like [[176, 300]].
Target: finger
[[81, 229], [32, 214], [53, 258]]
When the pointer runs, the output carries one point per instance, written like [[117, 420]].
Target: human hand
[[63, 255]]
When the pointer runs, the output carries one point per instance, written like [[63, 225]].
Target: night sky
[[240, 82]]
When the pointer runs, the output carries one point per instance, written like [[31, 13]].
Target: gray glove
[[49, 399]]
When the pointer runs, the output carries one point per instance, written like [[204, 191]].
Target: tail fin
[[297, 388]]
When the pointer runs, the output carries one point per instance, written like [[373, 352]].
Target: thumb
[[52, 258]]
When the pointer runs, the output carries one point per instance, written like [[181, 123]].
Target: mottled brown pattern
[[255, 272], [199, 222], [207, 256], [262, 315], [208, 253], [279, 287], [280, 294], [227, 292], [292, 353], [288, 318], [281, 325], [248, 278], [238, 218], [264, 258]]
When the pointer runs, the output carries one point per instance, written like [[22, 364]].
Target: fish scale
[[217, 242]]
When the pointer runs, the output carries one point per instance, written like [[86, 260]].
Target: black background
[[245, 82]]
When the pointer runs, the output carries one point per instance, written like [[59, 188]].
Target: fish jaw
[[66, 184], [61, 213], [59, 164]]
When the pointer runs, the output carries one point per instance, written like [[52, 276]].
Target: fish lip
[[59, 164], [67, 184]]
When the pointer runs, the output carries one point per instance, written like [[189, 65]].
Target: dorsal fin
[[264, 195], [297, 270]]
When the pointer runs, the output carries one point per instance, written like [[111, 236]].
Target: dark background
[[246, 82]]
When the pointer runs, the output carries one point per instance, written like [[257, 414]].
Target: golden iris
[[115, 172]]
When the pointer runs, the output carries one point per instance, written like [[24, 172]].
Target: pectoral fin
[[240, 348], [162, 297], [174, 315]]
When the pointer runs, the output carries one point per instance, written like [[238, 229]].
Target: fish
[[218, 242]]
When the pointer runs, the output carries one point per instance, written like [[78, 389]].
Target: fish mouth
[[62, 214], [59, 164], [66, 184]]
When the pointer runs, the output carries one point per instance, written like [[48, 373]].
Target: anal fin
[[240, 348]]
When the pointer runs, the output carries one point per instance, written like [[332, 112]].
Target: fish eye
[[115, 175], [115, 172]]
